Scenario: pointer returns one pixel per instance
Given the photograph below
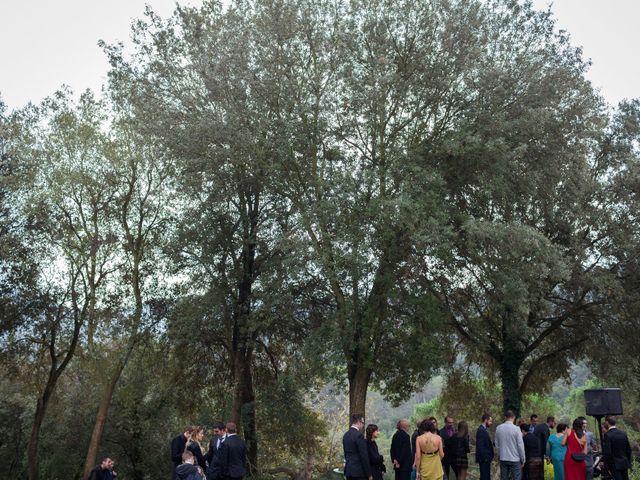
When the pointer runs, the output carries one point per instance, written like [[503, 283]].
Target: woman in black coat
[[193, 445], [375, 459]]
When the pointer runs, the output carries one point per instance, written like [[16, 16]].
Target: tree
[[366, 91], [235, 234], [64, 190], [530, 266], [612, 352], [140, 215]]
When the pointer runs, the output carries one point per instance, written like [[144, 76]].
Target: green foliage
[[278, 194], [293, 430], [541, 405], [548, 471], [634, 472]]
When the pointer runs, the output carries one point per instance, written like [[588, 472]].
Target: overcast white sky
[[47, 43]]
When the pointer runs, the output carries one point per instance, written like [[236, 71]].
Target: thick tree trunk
[[359, 377], [510, 377], [101, 420]]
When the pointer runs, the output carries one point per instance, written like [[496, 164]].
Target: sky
[[47, 43]]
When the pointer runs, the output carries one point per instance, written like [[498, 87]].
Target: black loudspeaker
[[603, 401]]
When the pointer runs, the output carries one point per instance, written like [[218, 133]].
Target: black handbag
[[579, 457]]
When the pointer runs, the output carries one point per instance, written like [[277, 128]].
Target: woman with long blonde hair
[[193, 445]]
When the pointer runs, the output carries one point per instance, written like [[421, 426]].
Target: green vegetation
[[283, 211]]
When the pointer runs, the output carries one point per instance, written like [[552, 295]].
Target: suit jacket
[[213, 451], [401, 450], [616, 450], [484, 446], [356, 458], [542, 433], [178, 445], [232, 457], [375, 460], [446, 445], [210, 450], [414, 437]]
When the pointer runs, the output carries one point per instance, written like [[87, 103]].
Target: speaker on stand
[[600, 402]]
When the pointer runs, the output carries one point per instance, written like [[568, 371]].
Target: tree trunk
[[32, 447], [243, 411], [510, 377], [359, 377], [43, 402], [101, 420]]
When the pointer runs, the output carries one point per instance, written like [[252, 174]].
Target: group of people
[[523, 447], [520, 447], [223, 460]]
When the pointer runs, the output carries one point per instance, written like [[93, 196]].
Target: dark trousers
[[403, 474], [446, 467], [620, 474], [485, 470]]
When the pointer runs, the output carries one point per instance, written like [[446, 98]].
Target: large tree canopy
[[279, 194]]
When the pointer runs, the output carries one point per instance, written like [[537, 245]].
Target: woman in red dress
[[576, 442]]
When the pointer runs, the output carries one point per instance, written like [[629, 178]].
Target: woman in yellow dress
[[429, 453]]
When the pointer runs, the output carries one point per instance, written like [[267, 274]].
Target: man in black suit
[[213, 454], [616, 450], [543, 431], [484, 447], [401, 451], [178, 445], [356, 458], [232, 455], [447, 433]]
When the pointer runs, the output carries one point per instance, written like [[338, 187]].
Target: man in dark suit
[[543, 431], [213, 454], [356, 458], [447, 433], [178, 445], [484, 447], [232, 455], [617, 451], [401, 451]]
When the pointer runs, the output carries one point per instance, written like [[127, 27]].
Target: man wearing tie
[[484, 447], [213, 454]]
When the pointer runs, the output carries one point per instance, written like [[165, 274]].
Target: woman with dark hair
[[429, 453], [458, 445], [576, 442], [556, 451], [375, 459]]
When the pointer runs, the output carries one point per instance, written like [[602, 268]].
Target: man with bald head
[[401, 451]]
